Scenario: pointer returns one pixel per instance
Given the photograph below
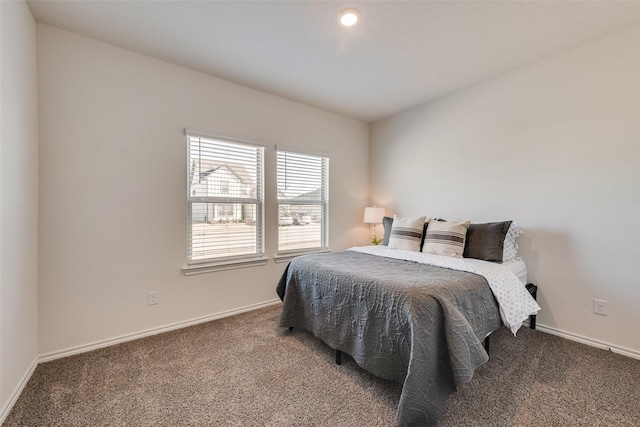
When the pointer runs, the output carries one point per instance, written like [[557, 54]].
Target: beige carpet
[[245, 371]]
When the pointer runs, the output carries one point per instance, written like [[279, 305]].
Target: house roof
[[204, 168]]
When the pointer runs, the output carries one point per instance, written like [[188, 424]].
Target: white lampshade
[[373, 215]]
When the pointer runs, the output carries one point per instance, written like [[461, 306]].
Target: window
[[303, 202], [226, 196]]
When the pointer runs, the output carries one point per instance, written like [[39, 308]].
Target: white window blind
[[226, 196], [303, 202]]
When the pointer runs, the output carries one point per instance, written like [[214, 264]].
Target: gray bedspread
[[419, 325]]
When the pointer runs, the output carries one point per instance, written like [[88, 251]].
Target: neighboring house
[[311, 195], [295, 211], [222, 180]]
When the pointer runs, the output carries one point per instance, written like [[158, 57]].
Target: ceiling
[[400, 54]]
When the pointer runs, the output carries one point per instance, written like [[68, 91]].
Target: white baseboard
[[589, 341], [18, 390], [153, 331]]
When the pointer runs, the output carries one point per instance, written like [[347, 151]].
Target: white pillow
[[445, 238], [406, 233], [510, 246]]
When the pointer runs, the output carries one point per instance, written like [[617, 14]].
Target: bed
[[410, 317]]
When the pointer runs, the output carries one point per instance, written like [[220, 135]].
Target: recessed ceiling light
[[349, 17]]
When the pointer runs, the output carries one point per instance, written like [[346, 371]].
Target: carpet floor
[[246, 371]]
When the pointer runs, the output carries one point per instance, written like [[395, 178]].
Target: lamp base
[[374, 239]]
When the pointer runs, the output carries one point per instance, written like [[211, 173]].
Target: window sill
[[223, 265], [288, 256]]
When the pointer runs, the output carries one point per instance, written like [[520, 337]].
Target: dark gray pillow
[[486, 241], [387, 222]]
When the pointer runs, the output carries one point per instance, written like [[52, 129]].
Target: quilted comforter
[[412, 323]]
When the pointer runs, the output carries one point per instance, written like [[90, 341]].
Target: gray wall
[[554, 145], [18, 202], [113, 218]]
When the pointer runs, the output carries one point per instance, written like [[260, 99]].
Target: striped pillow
[[406, 233], [445, 238]]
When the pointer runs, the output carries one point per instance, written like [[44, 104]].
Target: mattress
[[516, 304]]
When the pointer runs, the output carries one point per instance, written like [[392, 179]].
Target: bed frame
[[533, 290]]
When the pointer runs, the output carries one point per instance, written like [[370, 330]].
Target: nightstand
[[533, 290]]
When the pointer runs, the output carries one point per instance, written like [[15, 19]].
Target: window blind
[[225, 199], [303, 201]]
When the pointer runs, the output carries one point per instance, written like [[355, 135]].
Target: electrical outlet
[[153, 298], [600, 307]]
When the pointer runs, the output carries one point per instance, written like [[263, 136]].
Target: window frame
[[324, 202], [232, 261]]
